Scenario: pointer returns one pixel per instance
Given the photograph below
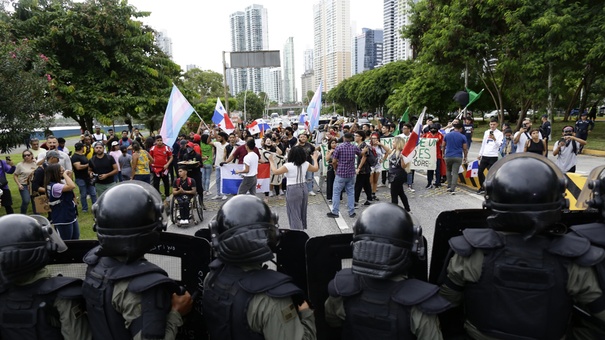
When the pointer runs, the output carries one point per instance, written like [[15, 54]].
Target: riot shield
[[185, 258], [326, 255], [450, 224]]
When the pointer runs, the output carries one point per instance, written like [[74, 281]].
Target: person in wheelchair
[[520, 277], [376, 298], [183, 190], [34, 305]]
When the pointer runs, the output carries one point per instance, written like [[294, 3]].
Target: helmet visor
[[54, 240], [587, 193]]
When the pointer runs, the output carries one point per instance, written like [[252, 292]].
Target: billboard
[[254, 59]]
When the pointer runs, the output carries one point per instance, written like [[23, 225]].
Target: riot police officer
[[127, 296], [592, 197], [242, 300], [375, 297], [519, 278], [34, 305]]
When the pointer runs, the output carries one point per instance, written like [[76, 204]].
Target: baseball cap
[[78, 146], [51, 154], [197, 138], [183, 142], [97, 143], [114, 143]]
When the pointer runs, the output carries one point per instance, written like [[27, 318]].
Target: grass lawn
[[85, 220], [596, 138]]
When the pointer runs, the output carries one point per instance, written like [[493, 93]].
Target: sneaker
[[281, 193], [452, 192], [411, 189], [333, 215], [431, 187], [380, 185], [183, 221], [427, 186], [271, 194], [353, 215], [312, 193], [224, 197], [215, 197], [207, 193], [329, 201], [480, 192], [367, 203]]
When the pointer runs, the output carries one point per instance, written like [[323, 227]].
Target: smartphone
[[525, 126], [8, 158], [491, 133]]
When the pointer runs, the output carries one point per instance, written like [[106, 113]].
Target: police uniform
[[582, 128], [39, 306], [241, 299], [128, 297], [518, 279], [374, 298], [34, 305]]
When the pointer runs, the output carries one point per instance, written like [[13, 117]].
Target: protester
[[250, 170], [456, 151], [125, 164], [6, 167], [60, 192], [303, 138], [535, 144], [488, 154], [433, 132], [297, 194], [545, 131], [331, 174], [398, 164], [114, 151], [98, 136], [141, 163], [162, 158], [362, 179], [523, 135], [102, 169], [508, 146], [207, 161], [343, 161], [53, 143], [380, 151], [23, 175], [35, 147], [80, 165], [219, 151], [566, 150], [183, 189]]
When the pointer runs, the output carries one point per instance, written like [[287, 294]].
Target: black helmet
[[593, 191], [244, 231], [526, 192], [26, 243], [128, 220], [383, 237]]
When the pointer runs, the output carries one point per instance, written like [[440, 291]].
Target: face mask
[[125, 138]]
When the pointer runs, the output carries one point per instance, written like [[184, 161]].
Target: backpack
[[178, 182], [371, 156]]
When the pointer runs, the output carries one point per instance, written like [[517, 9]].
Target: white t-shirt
[[523, 138], [566, 159], [251, 160], [64, 159], [292, 176], [219, 152], [99, 138]]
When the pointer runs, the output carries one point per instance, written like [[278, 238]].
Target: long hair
[[136, 147], [52, 174], [297, 156], [398, 144]]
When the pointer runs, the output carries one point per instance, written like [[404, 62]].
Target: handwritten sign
[[425, 154]]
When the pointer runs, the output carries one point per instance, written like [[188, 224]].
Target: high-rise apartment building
[[289, 86], [308, 60], [249, 32], [331, 42], [274, 92], [367, 51], [396, 16], [164, 42], [307, 83]]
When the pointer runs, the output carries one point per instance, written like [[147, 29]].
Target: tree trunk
[[573, 101]]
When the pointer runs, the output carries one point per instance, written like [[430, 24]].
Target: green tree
[[25, 103], [104, 62], [254, 106], [205, 84]]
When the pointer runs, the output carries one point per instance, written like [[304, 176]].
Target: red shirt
[[439, 137], [241, 152], [160, 155]]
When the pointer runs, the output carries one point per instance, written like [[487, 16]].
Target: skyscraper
[[367, 52], [396, 16], [249, 32], [307, 79], [308, 60], [289, 87], [331, 42], [164, 42], [275, 85]]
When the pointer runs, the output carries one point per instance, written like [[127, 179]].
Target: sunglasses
[[567, 130], [27, 155]]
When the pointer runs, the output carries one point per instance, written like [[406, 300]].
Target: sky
[[200, 31]]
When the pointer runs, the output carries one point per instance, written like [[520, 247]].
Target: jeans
[[69, 231], [349, 185], [411, 177], [144, 178], [452, 165], [436, 173], [86, 189], [218, 181], [25, 199], [206, 173], [309, 178]]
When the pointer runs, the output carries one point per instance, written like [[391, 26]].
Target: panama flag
[[314, 109], [258, 126], [221, 117], [230, 180], [177, 113], [472, 170], [412, 142]]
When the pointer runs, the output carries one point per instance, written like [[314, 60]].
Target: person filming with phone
[[524, 134], [566, 150]]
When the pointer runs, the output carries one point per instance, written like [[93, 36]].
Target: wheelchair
[[195, 208]]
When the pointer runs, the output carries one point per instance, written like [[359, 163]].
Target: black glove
[[222, 163]]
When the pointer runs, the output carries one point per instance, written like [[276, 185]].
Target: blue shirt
[[454, 142]]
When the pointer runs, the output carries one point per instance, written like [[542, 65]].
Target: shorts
[[377, 168]]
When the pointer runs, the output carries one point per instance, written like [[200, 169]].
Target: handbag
[[41, 203]]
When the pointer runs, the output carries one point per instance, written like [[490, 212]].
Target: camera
[[94, 179]]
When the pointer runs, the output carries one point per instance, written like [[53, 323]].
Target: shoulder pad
[[461, 246], [423, 295], [483, 238], [91, 257], [595, 232], [273, 283], [216, 264], [146, 281], [569, 245], [345, 283], [593, 256], [65, 287], [137, 268]]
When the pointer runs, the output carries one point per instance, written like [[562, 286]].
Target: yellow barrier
[[575, 183]]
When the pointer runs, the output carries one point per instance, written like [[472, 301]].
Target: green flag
[[472, 96], [404, 119]]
